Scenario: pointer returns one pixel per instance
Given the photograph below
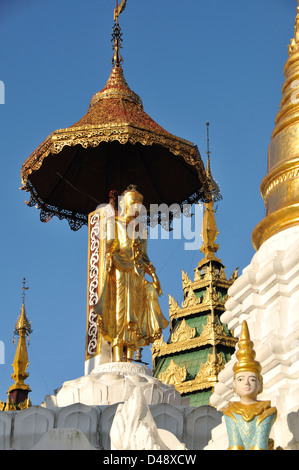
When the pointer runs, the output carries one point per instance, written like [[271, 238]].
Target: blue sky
[[191, 62]]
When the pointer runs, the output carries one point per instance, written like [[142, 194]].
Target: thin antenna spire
[[213, 186], [24, 288], [208, 139], [208, 151], [117, 34]]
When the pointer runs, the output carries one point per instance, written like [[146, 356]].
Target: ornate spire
[[212, 185], [23, 326], [246, 354], [209, 227], [117, 34], [209, 235], [18, 392], [294, 45], [280, 186]]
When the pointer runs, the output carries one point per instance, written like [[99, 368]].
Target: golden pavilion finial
[[117, 34]]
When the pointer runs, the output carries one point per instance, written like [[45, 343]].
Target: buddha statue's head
[[131, 202]]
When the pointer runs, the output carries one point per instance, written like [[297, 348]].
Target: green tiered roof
[[199, 345]]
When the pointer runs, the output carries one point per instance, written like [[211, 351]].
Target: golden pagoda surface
[[280, 186], [18, 392]]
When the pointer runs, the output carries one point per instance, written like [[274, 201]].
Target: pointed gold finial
[[18, 392], [246, 354], [294, 45], [23, 326], [209, 227], [117, 34], [209, 234], [280, 186]]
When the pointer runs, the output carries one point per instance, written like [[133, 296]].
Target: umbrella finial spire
[[117, 34]]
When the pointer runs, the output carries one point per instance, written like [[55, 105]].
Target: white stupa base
[[117, 406], [112, 383], [266, 295]]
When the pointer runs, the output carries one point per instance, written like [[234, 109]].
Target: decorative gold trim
[[207, 375], [158, 344], [194, 304], [213, 334], [174, 374], [192, 386], [217, 281], [274, 223], [260, 409], [173, 305], [191, 299], [95, 279], [212, 331], [280, 175], [185, 280], [183, 333], [175, 314], [211, 368], [156, 347], [93, 135], [172, 348]]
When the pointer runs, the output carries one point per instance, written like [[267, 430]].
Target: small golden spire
[[209, 227], [280, 186], [23, 326], [209, 234], [294, 46], [18, 392], [246, 354]]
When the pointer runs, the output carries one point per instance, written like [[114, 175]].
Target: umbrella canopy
[[114, 145]]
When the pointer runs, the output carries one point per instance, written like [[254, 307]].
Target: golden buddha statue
[[248, 421], [129, 315]]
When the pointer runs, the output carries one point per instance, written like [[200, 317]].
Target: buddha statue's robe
[[128, 310]]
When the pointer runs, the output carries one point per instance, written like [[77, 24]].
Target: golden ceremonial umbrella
[[115, 144]]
